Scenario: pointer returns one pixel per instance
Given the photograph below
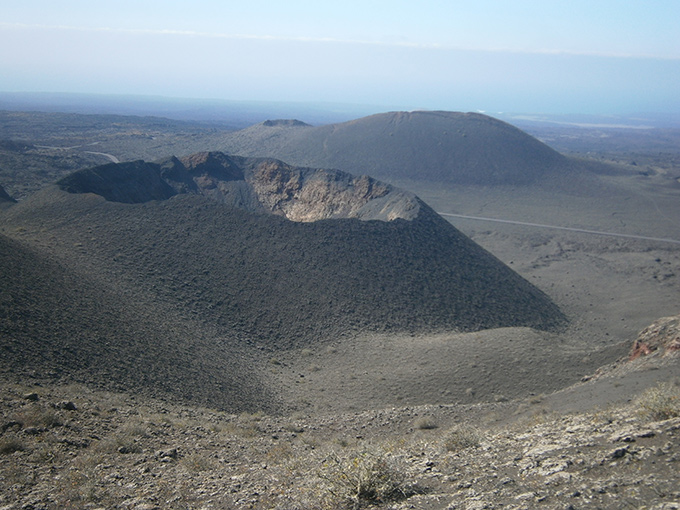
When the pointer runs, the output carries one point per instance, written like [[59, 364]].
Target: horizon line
[[334, 40]]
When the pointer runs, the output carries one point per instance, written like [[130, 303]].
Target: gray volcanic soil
[[72, 447], [59, 323], [614, 285], [610, 289]]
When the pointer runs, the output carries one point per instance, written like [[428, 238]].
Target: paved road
[[584, 231]]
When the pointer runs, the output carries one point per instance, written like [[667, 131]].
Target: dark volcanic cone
[[218, 272], [449, 147], [246, 266]]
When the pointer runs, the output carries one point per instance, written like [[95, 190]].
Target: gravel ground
[[73, 447]]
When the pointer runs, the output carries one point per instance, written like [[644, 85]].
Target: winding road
[[111, 157], [570, 229]]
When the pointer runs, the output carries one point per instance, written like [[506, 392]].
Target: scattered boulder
[[5, 198], [67, 405]]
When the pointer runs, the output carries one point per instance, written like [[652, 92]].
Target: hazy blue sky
[[599, 56]]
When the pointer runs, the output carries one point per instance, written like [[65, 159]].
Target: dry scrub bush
[[460, 437], [426, 423], [660, 402], [80, 487], [198, 461], [125, 440], [11, 444], [280, 453], [356, 479], [36, 416]]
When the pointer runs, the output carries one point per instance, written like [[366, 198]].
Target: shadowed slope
[[142, 182], [5, 199], [70, 324]]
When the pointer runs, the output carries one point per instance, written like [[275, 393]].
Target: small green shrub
[[660, 402]]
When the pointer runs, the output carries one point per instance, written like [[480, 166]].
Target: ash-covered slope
[[66, 324], [437, 146]]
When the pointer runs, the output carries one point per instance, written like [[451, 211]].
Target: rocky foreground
[[73, 447]]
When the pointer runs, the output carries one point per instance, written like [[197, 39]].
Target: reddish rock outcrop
[[662, 336]]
